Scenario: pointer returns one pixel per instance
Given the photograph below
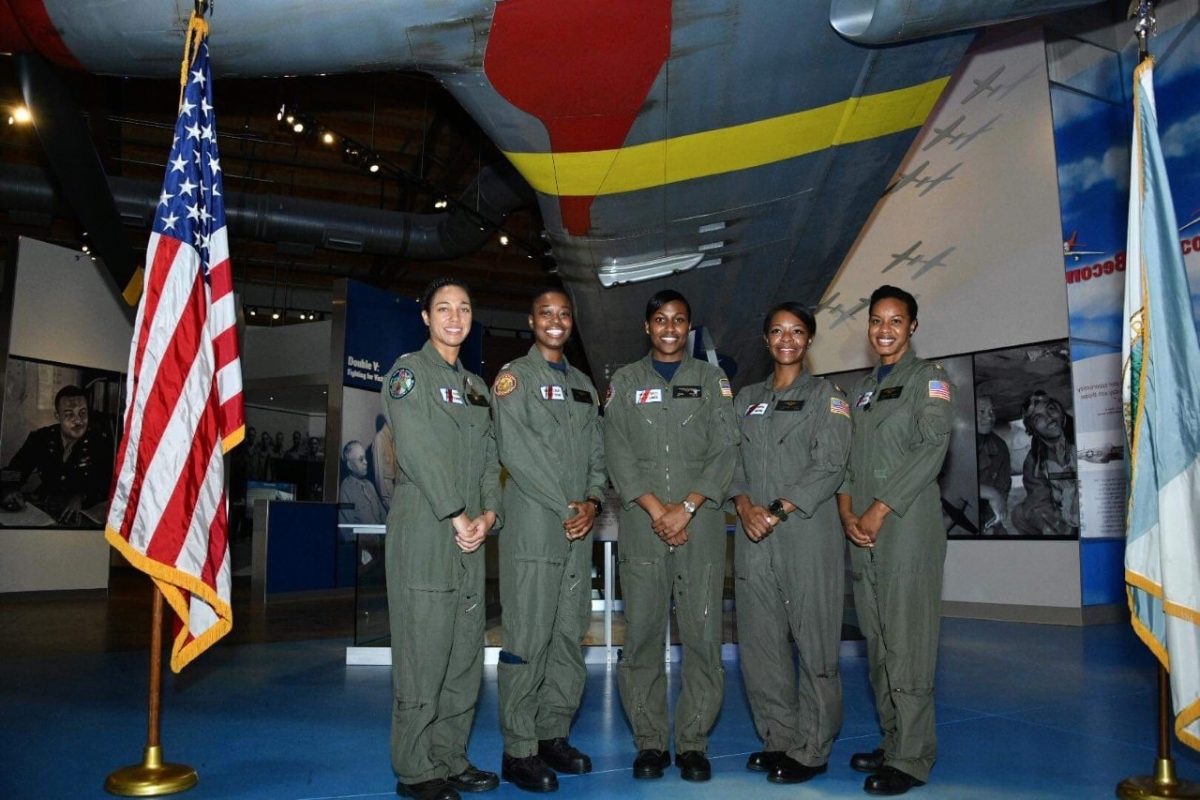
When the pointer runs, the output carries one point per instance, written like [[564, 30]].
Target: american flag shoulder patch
[[839, 406], [940, 390], [726, 391]]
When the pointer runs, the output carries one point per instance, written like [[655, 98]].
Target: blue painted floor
[[1024, 711]]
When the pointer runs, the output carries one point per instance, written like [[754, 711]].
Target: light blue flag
[[1160, 370]]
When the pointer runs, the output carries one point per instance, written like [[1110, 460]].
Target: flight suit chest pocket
[[790, 421], [690, 410]]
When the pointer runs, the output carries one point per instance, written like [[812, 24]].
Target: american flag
[[184, 390]]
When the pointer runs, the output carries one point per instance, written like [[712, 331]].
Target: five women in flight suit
[[671, 441]]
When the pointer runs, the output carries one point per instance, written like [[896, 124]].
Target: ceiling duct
[[460, 230]]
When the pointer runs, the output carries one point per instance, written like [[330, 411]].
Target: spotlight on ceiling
[[20, 115], [504, 239], [327, 137]]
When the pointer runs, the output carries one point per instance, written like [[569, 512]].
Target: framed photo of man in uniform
[[1025, 442], [58, 438]]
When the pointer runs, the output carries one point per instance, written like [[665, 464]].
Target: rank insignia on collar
[[643, 396], [401, 382], [506, 384]]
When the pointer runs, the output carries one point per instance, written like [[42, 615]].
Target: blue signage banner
[[382, 325]]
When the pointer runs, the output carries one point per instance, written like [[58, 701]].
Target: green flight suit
[[670, 439], [446, 452], [901, 433], [548, 434], [794, 446]]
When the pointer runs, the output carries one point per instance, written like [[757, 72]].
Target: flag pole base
[[1163, 784], [151, 778]]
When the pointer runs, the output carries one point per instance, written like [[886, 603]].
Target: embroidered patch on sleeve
[[401, 382], [839, 406], [506, 384], [726, 391], [940, 390]]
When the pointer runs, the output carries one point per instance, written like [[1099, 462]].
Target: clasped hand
[[757, 521], [470, 534], [671, 524], [578, 526]]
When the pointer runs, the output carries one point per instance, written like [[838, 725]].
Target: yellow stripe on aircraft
[[753, 144]]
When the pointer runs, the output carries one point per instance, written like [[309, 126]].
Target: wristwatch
[[596, 503], [689, 507], [777, 510]]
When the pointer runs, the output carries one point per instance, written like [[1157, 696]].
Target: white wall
[[286, 351], [65, 309], [43, 560], [1020, 573]]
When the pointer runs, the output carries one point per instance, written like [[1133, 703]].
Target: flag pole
[[152, 777], [1163, 783]]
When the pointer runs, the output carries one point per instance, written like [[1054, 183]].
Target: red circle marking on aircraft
[[25, 26], [582, 67]]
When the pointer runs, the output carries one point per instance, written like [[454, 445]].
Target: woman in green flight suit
[[789, 560], [670, 439], [446, 499], [890, 508]]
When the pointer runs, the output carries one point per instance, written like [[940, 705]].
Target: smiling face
[[448, 318], [787, 338], [72, 415], [1044, 418], [668, 330], [552, 321], [890, 329]]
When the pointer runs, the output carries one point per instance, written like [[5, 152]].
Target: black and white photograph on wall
[[960, 504], [367, 473], [1025, 442], [57, 444]]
